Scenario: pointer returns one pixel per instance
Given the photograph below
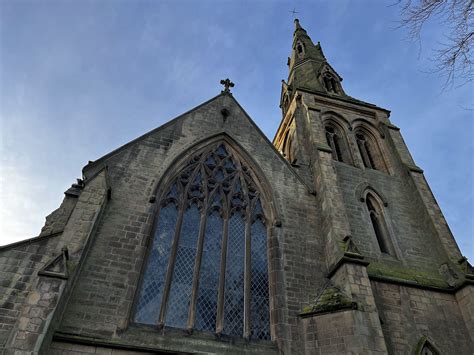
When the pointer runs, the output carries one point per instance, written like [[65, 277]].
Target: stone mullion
[[220, 297], [333, 146], [247, 276], [197, 270]]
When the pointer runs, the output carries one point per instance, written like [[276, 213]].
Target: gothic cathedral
[[203, 237]]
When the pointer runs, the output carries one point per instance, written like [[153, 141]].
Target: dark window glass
[[260, 317], [206, 307], [149, 302], [234, 278], [180, 292]]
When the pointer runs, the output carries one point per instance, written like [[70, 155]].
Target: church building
[[204, 237]]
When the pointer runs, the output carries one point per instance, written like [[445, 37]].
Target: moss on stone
[[330, 300], [423, 278]]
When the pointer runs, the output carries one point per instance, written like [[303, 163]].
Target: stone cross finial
[[227, 84]]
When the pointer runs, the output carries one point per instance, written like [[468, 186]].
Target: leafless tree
[[453, 58]]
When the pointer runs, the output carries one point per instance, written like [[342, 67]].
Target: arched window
[[425, 347], [379, 225], [299, 49], [207, 267], [337, 142], [330, 83], [286, 103], [290, 144], [369, 152], [428, 350]]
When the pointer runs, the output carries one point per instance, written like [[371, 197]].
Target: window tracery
[[207, 267]]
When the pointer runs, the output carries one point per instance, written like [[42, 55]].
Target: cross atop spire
[[227, 84]]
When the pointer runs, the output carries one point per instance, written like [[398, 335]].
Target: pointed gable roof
[[90, 169]]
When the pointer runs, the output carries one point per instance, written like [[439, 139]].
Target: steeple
[[303, 47], [308, 68]]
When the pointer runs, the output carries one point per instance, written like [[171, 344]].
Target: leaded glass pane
[[210, 162], [149, 302], [206, 306], [181, 285], [173, 191], [229, 165], [221, 151], [260, 316], [219, 176], [234, 278]]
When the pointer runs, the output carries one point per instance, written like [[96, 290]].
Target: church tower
[[202, 236], [387, 244]]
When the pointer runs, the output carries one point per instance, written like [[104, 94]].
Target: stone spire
[[307, 64], [303, 47]]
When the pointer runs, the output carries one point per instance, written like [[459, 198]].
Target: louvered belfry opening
[[207, 268]]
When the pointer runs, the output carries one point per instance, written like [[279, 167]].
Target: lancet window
[[330, 83], [337, 142], [369, 152], [290, 145], [207, 267], [379, 225], [428, 350], [300, 49]]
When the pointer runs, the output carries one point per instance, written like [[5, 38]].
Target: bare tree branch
[[453, 59]]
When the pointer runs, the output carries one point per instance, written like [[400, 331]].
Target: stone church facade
[[203, 237]]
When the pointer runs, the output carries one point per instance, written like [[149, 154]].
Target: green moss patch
[[330, 300], [422, 278]]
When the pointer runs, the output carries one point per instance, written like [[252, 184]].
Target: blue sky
[[79, 79]]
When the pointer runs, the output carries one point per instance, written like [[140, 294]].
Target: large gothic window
[[207, 268]]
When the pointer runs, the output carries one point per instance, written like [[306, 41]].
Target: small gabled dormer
[[309, 68], [331, 81]]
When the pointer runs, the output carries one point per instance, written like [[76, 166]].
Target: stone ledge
[[173, 343], [414, 168], [332, 299], [323, 148]]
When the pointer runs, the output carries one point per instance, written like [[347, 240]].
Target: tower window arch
[[379, 224], [290, 145], [207, 266], [369, 151], [426, 347], [330, 83], [286, 103], [300, 49], [336, 140]]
